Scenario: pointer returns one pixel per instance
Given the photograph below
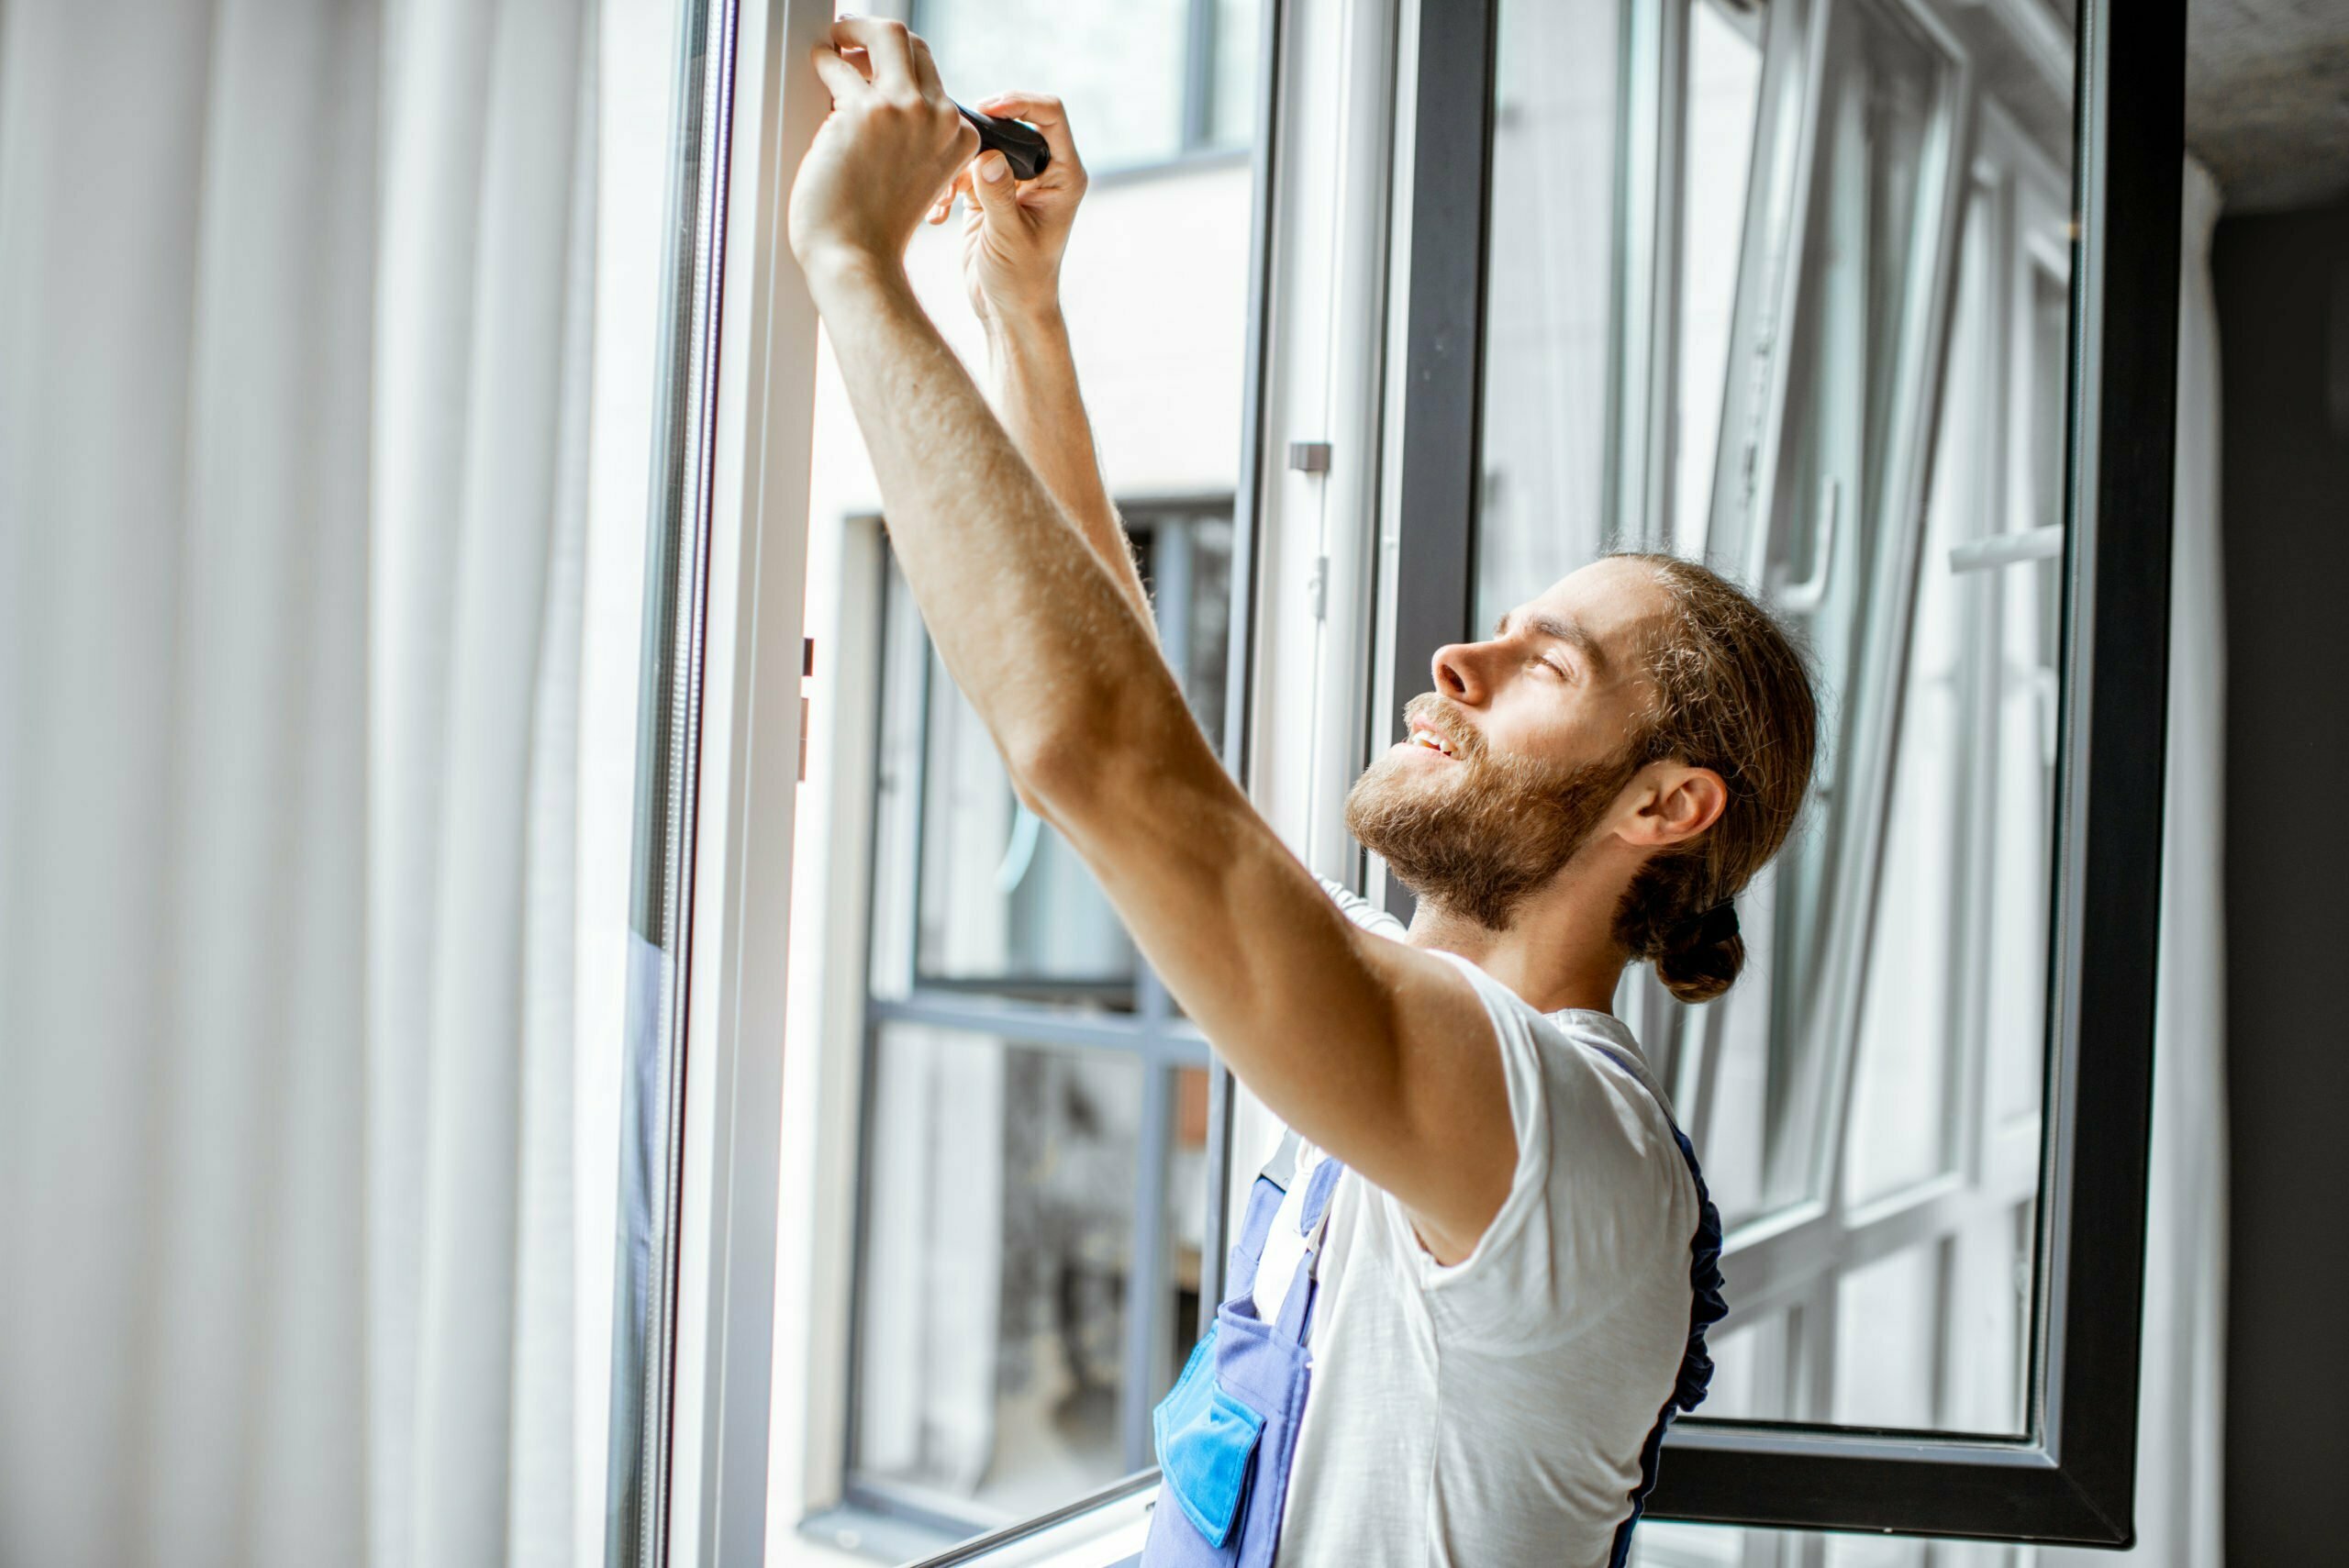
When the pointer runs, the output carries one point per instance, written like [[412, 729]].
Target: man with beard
[[1515, 1270]]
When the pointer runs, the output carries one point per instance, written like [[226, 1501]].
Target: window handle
[[806, 669], [1018, 850], [1804, 598], [2007, 550]]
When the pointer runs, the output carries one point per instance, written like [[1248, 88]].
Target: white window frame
[[731, 1134], [1326, 310], [1334, 321]]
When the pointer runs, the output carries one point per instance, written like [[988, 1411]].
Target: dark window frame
[[2071, 1479]]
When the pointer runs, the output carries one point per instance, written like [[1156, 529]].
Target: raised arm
[[1014, 235], [1380, 1053]]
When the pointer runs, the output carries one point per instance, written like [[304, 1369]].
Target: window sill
[[1103, 1533], [850, 1536]]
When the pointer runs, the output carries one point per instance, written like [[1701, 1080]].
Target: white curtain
[[2181, 1422], [295, 328]]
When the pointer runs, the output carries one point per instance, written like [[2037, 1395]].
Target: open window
[[1869, 301], [1826, 293]]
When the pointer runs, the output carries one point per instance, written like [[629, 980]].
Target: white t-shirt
[[1492, 1413]]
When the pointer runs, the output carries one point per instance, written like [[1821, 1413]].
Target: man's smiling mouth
[[1433, 742]]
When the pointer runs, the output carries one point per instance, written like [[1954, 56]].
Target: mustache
[[1436, 712]]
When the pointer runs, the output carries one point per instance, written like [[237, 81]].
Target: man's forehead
[[1610, 603]]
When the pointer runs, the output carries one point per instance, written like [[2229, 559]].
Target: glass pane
[[1731, 1115], [1000, 1240], [1870, 1089], [1231, 104], [1988, 1327], [1125, 106], [1905, 1096], [1876, 1552], [1004, 901], [1831, 558], [990, 1264], [1888, 1340], [1550, 293], [2028, 612], [1753, 1367], [1003, 896], [1724, 93]]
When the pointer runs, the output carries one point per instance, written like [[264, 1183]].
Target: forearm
[[1028, 617], [1037, 396]]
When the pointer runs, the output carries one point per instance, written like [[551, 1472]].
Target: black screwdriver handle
[[1021, 145]]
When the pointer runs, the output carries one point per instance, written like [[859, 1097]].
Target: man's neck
[[1557, 952]]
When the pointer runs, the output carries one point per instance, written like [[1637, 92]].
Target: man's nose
[[1458, 672]]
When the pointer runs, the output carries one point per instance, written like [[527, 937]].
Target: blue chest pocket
[[1204, 1438]]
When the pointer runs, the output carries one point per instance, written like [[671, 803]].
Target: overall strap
[[1295, 1324], [1265, 1197]]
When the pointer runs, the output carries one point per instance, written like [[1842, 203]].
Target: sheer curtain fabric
[[294, 373]]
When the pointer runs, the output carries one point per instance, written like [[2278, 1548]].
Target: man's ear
[[1677, 803]]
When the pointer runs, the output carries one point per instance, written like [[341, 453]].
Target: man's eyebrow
[[1571, 632]]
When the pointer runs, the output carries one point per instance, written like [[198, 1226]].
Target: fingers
[[958, 187], [886, 45], [840, 78], [990, 184], [925, 68], [1047, 114]]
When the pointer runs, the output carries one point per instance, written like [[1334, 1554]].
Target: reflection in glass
[[998, 1265], [1887, 1368], [1724, 92], [1035, 1159], [1915, 1003], [1003, 900], [1870, 362], [1549, 294], [1003, 896], [998, 1237], [2027, 622], [1833, 544], [1940, 1140], [1733, 1042]]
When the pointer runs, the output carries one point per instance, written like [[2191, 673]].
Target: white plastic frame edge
[[762, 426]]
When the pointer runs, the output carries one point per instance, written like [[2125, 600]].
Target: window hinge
[[1317, 588]]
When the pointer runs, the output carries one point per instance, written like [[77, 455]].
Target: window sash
[[2067, 1479], [2071, 1479]]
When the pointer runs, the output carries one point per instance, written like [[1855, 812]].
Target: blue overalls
[[1227, 1435]]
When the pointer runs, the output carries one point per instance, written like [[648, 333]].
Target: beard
[[1476, 836]]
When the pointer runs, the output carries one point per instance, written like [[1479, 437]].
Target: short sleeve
[[1592, 1203]]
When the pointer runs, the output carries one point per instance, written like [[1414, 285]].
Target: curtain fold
[[296, 352]]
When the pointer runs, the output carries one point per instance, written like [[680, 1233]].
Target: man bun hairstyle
[[1733, 695]]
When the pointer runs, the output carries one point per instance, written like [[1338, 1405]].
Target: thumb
[[993, 189]]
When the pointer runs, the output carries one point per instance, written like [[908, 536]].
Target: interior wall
[[2283, 292]]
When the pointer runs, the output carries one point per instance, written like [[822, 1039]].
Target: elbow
[[1071, 765], [1055, 767]]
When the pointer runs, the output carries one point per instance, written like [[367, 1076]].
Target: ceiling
[[2267, 99]]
